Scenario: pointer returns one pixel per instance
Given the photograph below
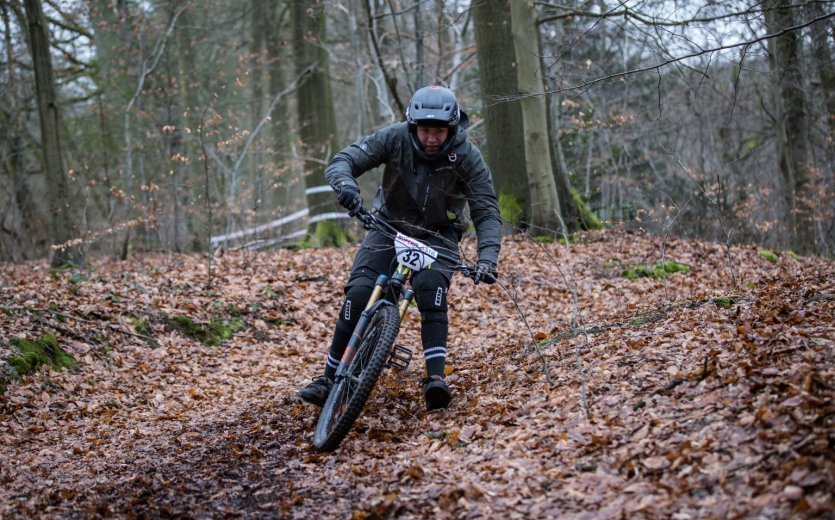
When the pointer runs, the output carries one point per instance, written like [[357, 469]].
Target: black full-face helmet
[[434, 106]]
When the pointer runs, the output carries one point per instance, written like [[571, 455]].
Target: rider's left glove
[[485, 272], [349, 198]]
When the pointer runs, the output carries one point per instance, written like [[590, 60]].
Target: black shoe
[[317, 391], [436, 392]]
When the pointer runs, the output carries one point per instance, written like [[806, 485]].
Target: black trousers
[[377, 256]]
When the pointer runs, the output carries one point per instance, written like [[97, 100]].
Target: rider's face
[[431, 137]]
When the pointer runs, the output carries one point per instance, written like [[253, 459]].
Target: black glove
[[350, 198], [485, 272]]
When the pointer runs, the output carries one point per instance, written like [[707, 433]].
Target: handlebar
[[371, 221]]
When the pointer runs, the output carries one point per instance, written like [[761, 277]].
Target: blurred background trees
[[181, 120]]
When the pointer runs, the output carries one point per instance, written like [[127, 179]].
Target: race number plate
[[413, 254]]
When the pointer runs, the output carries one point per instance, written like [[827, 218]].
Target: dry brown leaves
[[696, 410]]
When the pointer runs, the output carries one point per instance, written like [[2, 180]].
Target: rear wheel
[[348, 395]]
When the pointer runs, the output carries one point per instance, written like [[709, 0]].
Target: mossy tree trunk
[[545, 204], [503, 120]]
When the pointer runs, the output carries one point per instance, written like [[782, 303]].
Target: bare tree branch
[[390, 81], [702, 52], [647, 19]]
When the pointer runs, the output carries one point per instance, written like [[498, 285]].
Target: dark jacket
[[421, 197]]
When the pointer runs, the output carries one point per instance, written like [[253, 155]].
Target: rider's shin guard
[[430, 292], [355, 300]]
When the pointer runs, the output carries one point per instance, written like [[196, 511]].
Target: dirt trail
[[695, 410]]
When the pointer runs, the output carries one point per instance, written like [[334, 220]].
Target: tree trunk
[[193, 189], [792, 125], [316, 116], [419, 60], [503, 120], [112, 35], [820, 33], [63, 228], [22, 223], [545, 204], [286, 181], [257, 46]]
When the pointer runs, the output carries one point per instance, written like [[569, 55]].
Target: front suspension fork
[[351, 350]]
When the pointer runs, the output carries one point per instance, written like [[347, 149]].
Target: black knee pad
[[356, 298], [430, 291]]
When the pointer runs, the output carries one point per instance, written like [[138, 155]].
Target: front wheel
[[348, 395]]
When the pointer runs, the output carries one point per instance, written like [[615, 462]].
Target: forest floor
[[703, 394]]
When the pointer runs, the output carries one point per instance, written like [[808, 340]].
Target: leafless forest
[[133, 126]]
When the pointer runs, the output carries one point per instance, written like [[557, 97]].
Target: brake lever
[[467, 270]]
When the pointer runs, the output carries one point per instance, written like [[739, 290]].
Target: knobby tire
[[347, 398]]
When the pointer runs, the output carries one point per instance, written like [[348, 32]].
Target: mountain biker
[[432, 171]]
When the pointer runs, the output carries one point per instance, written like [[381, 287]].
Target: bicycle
[[371, 347]]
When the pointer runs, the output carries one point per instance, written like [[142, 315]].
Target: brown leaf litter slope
[[672, 405]]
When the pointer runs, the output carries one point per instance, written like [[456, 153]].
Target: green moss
[[66, 266], [327, 233], [608, 265], [769, 255], [644, 271], [139, 325], [655, 271], [572, 238], [588, 220], [725, 302], [224, 329], [675, 267], [35, 353], [511, 207], [187, 326], [212, 333], [545, 239]]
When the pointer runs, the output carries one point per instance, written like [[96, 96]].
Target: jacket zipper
[[426, 197]]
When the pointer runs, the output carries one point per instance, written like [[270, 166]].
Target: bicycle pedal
[[400, 357]]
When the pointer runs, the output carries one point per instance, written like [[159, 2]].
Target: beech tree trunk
[[63, 228], [317, 119], [792, 125], [545, 204], [503, 120]]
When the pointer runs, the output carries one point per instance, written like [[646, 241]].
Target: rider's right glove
[[350, 198], [485, 272]]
